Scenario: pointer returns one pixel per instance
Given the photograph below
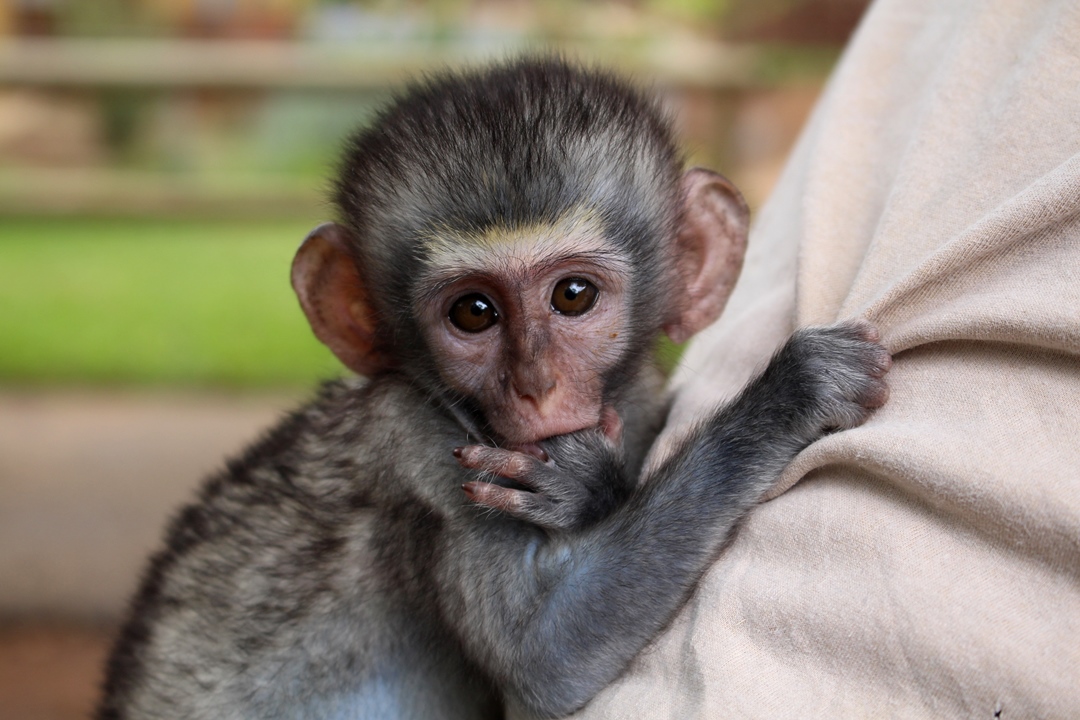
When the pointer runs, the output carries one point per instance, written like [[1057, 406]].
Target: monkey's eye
[[473, 313], [573, 296]]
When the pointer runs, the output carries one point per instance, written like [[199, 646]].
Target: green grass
[[151, 302]]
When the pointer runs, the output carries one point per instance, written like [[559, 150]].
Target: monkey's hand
[[568, 482], [843, 367]]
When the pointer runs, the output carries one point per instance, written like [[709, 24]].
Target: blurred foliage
[[294, 133], [694, 11], [145, 302], [668, 354], [783, 63], [117, 18]]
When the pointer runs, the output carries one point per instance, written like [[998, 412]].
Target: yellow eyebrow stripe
[[576, 233]]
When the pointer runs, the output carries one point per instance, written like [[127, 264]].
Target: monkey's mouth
[[531, 434]]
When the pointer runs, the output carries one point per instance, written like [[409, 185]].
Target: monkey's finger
[[504, 463], [524, 505], [493, 496], [514, 502]]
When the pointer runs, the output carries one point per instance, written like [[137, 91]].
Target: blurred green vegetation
[[151, 302]]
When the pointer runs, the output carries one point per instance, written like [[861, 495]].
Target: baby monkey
[[465, 531]]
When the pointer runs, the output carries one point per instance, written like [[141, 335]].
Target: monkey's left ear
[[710, 246]]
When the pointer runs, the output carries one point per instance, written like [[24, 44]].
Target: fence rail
[[710, 77], [174, 63]]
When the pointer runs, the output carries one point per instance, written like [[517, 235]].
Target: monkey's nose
[[534, 393]]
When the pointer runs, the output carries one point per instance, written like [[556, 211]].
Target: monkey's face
[[532, 323], [527, 322]]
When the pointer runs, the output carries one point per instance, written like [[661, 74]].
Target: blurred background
[[159, 162]]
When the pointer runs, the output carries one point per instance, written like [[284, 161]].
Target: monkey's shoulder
[[324, 474], [357, 443]]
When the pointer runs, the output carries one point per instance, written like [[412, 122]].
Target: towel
[[927, 563]]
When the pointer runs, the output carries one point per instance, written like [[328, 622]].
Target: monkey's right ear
[[335, 301]]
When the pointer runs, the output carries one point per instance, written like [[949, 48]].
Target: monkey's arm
[[554, 620]]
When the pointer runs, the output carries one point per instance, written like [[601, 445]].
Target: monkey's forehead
[[482, 188], [494, 250]]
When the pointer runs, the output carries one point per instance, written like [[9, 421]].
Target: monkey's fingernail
[[458, 451], [470, 490], [535, 450]]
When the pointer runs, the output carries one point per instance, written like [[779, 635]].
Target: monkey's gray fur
[[336, 569]]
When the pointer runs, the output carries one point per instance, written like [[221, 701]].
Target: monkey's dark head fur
[[512, 145], [513, 239]]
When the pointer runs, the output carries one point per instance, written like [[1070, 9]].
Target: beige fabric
[[926, 565]]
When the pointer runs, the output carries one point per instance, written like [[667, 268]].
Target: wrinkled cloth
[[927, 563]]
